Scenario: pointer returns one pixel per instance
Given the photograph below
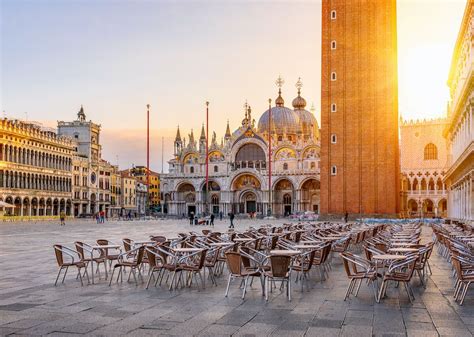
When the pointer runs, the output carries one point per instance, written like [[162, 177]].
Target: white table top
[[388, 257], [284, 252]]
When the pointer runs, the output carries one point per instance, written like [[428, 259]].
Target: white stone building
[[239, 166], [91, 174], [460, 129], [424, 162]]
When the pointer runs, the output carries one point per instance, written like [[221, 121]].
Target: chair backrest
[[202, 258], [280, 265], [102, 242], [151, 257], [274, 242], [80, 249], [127, 244], [234, 261], [58, 251], [158, 238], [140, 254]]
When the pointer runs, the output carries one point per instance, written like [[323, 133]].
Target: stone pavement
[[31, 305]]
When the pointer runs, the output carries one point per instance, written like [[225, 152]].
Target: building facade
[[129, 193], [360, 161], [239, 166], [35, 169], [424, 163], [460, 129], [91, 174], [140, 172]]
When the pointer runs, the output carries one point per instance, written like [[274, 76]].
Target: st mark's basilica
[[239, 169]]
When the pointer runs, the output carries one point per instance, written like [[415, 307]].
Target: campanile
[[360, 165]]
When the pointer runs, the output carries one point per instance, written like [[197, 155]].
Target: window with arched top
[[285, 166], [431, 152], [191, 169]]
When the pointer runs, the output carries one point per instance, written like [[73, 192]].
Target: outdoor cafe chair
[[237, 270], [193, 264], [84, 250], [67, 257], [465, 276], [400, 271], [111, 254], [302, 265], [357, 270], [156, 263], [136, 256], [280, 270]]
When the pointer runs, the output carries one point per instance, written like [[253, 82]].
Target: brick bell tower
[[360, 164]]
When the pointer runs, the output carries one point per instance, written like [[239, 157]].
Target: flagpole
[[147, 158], [207, 156], [270, 157]]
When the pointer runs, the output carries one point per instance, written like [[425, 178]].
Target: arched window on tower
[[431, 152]]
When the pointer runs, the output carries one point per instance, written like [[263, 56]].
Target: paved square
[[31, 305]]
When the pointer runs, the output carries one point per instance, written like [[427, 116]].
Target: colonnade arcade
[[37, 206], [20, 155], [246, 194], [426, 207], [34, 181]]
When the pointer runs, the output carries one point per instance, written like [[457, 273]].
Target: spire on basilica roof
[[178, 136], [299, 102], [227, 131], [203, 133], [81, 116], [279, 100], [191, 137]]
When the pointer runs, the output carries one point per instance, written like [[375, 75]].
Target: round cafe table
[[284, 252]]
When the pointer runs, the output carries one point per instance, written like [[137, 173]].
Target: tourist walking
[[220, 215], [191, 218], [346, 217], [231, 217], [62, 218], [212, 219]]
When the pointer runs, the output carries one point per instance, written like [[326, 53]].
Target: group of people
[[194, 220], [100, 217]]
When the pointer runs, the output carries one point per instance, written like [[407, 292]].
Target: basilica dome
[[284, 120], [308, 123]]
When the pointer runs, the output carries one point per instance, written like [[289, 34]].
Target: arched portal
[[246, 190], [443, 208], [187, 197], [284, 192], [310, 195], [412, 208]]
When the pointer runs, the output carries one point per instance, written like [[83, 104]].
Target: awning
[[6, 204]]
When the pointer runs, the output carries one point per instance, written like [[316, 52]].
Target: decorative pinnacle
[[148, 106], [270, 101], [279, 82], [299, 85], [207, 103]]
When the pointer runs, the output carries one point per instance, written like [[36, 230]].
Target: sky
[[116, 56]]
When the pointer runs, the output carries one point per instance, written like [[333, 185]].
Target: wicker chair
[[400, 271], [280, 270], [357, 270], [134, 265], [64, 253], [236, 270]]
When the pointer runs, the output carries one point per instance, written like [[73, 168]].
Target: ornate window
[[216, 168], [191, 169], [250, 152], [287, 199], [285, 166], [431, 152]]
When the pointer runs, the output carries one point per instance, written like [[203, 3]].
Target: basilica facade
[[243, 177]]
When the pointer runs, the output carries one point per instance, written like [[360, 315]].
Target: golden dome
[[299, 102]]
